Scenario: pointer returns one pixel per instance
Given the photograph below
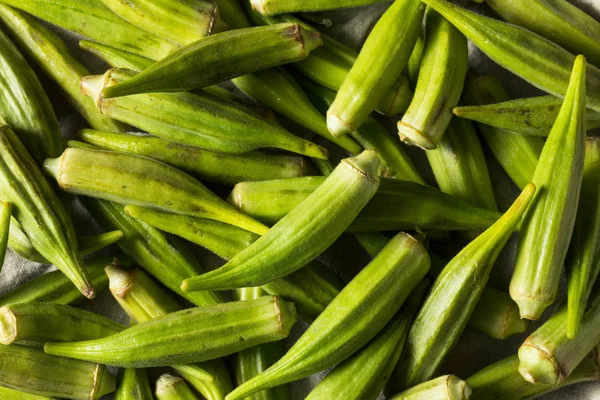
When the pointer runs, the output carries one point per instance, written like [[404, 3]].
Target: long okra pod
[[453, 298], [11, 394], [169, 387], [343, 328], [303, 234], [273, 7], [447, 387], [537, 60], [546, 229], [379, 64], [5, 217], [134, 384], [441, 79]]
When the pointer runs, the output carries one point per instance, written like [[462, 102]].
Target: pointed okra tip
[[365, 164], [537, 366], [52, 167]]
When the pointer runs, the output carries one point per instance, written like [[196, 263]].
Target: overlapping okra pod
[[547, 228], [414, 62], [343, 328], [195, 119], [5, 217], [365, 373], [425, 207], [379, 64], [537, 60], [442, 75], [447, 387], [52, 376], [11, 394], [304, 233], [134, 384], [273, 7], [452, 299], [116, 57], [39, 211], [221, 57], [169, 387], [517, 155]]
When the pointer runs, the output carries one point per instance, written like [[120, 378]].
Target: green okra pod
[[414, 62], [134, 384], [51, 54], [221, 57], [274, 7], [116, 57], [372, 74], [518, 155], [215, 167], [441, 79], [10, 394], [187, 336], [303, 234], [130, 179], [52, 376], [169, 387], [582, 262], [537, 60], [52, 322], [452, 299], [447, 387], [199, 119], [5, 216], [343, 327], [365, 373], [547, 228]]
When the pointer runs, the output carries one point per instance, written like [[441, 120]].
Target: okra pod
[[198, 120], [116, 57], [5, 216], [582, 262], [414, 62], [130, 179], [365, 373], [344, 327], [51, 54], [10, 394], [187, 336], [169, 387], [447, 387], [274, 7], [452, 299], [207, 165], [537, 60], [221, 57], [52, 376], [134, 384], [371, 75], [304, 233], [441, 79], [517, 155], [424, 207], [547, 228], [52, 322], [39, 211]]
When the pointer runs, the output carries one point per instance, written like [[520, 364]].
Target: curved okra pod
[[5, 216], [11, 394], [139, 180], [379, 64], [518, 155], [447, 387], [343, 327], [304, 233], [134, 384], [199, 120], [52, 56], [452, 299], [221, 57], [39, 211], [537, 60], [274, 7], [582, 262], [52, 322], [365, 373], [441, 79], [546, 229], [169, 387], [52, 376]]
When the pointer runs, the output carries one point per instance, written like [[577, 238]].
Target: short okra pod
[[441, 79], [134, 384], [373, 74], [304, 233], [535, 59], [11, 394], [169, 387], [221, 57], [274, 7], [547, 228], [451, 301], [5, 216], [447, 387], [53, 376]]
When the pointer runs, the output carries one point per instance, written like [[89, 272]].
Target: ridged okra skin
[[5, 217], [169, 387], [441, 79], [52, 376], [547, 228], [116, 57], [447, 387], [343, 328], [274, 7], [134, 384]]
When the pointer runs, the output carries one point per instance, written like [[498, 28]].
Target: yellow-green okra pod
[[304, 233], [547, 228], [451, 301], [365, 373], [116, 57], [441, 78], [169, 387], [11, 394], [344, 327], [414, 62], [5, 217], [379, 64], [447, 387], [274, 7], [134, 384], [221, 57], [52, 376], [537, 60]]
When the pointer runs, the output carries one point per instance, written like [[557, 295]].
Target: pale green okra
[[274, 7], [447, 387], [169, 387], [134, 384]]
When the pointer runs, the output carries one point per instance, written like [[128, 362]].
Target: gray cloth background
[[474, 350]]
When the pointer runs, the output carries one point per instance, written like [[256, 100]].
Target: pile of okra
[[202, 96]]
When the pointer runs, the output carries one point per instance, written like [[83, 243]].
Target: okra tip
[[414, 137], [260, 6], [337, 126], [165, 381], [92, 86], [529, 307], [366, 163], [8, 326], [537, 366], [120, 280], [52, 167]]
